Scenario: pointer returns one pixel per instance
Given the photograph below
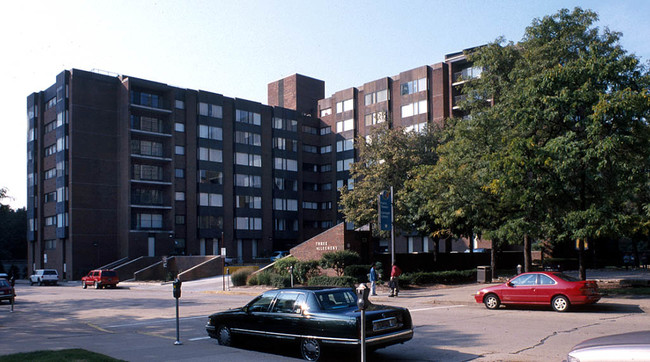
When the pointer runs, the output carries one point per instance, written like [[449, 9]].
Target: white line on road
[[445, 307], [198, 339], [153, 322]]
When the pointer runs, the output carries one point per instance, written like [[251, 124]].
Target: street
[[136, 322]]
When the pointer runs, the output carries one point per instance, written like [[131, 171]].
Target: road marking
[[153, 322], [198, 339], [445, 307]]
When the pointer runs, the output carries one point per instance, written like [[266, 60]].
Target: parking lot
[[136, 322]]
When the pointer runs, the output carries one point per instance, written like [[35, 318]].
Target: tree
[[385, 159], [573, 107], [13, 233]]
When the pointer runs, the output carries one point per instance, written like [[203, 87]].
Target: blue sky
[[237, 47]]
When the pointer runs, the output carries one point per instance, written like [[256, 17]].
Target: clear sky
[[237, 47]]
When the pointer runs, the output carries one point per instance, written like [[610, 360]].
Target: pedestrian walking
[[395, 272], [373, 279]]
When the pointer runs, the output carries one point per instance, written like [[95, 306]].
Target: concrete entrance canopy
[[335, 239]]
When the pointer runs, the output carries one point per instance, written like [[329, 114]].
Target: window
[[344, 106], [347, 125], [146, 99], [147, 172], [50, 197], [50, 244], [310, 148], [326, 167], [147, 124], [248, 159], [51, 173], [149, 221], [248, 202], [420, 127], [285, 124], [285, 144], [325, 112], [179, 127], [467, 74], [253, 181], [248, 223], [49, 127], [325, 149], [147, 148], [415, 108], [344, 165], [210, 154], [50, 220], [309, 167], [310, 129], [285, 204], [310, 205], [285, 184], [210, 177], [50, 150], [50, 103], [248, 138], [285, 164], [210, 132], [179, 220], [146, 197], [375, 118], [376, 97], [325, 130], [285, 224], [210, 110], [344, 145], [326, 186], [248, 117], [179, 150], [208, 199], [414, 86], [180, 104], [210, 222], [180, 196]]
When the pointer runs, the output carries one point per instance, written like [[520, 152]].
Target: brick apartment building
[[121, 167]]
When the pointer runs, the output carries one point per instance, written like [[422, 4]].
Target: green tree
[[13, 233], [385, 159], [573, 109]]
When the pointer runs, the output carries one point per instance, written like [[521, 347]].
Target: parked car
[[278, 255], [44, 276], [311, 317], [7, 292], [558, 290], [100, 278], [634, 346]]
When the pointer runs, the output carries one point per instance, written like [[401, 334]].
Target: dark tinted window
[[109, 273], [262, 303], [336, 299], [285, 303], [50, 272], [4, 284]]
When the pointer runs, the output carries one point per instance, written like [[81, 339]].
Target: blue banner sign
[[385, 212]]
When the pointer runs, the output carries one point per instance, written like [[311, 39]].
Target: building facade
[[121, 167]]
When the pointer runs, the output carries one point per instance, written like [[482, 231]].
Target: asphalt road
[[136, 322]]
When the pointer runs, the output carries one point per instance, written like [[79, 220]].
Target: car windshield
[[336, 299], [4, 284], [567, 278]]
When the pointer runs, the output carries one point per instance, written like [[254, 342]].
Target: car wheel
[[491, 301], [224, 336], [310, 349], [40, 282], [84, 285], [31, 282], [97, 285], [560, 303]]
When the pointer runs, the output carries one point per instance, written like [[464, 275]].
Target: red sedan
[[540, 288]]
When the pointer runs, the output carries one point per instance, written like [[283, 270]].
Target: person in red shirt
[[395, 272]]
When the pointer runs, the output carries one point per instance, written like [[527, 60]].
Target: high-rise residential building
[[121, 167]]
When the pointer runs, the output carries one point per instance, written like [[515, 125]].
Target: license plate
[[384, 324]]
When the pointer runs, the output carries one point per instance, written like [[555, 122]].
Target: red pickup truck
[[100, 278]]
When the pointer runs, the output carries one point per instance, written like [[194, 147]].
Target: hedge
[[239, 277], [327, 281], [441, 277]]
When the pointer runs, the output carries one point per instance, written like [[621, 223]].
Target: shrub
[[441, 277], [327, 281], [239, 277], [261, 278], [338, 260], [280, 281], [358, 272], [302, 270]]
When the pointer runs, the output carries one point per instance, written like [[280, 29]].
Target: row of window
[[155, 221]]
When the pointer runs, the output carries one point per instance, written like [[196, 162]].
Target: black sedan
[[314, 317]]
